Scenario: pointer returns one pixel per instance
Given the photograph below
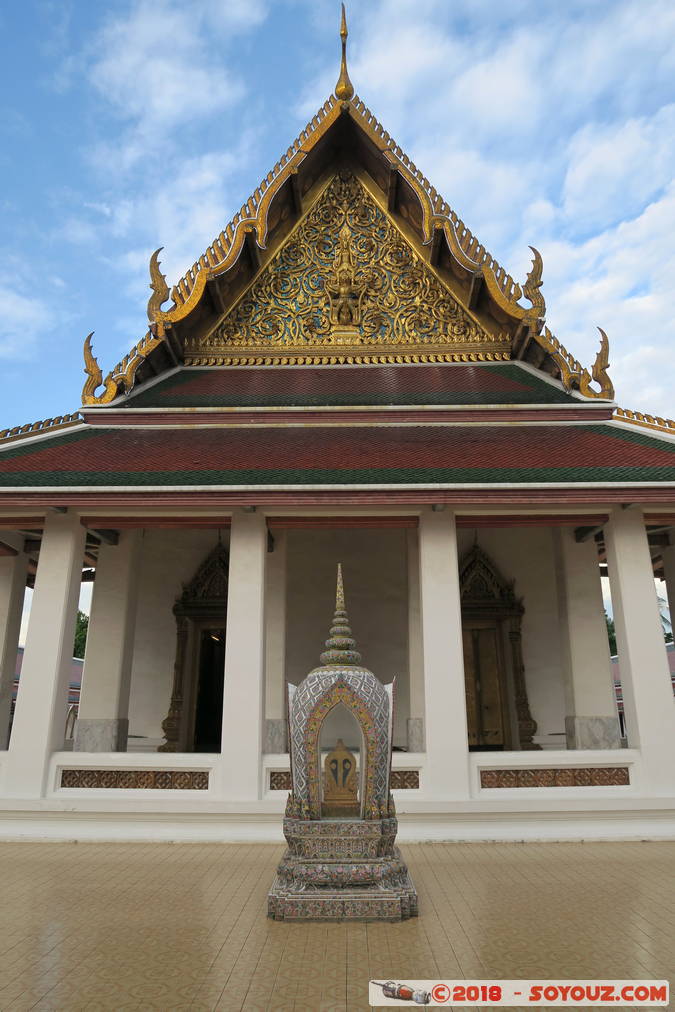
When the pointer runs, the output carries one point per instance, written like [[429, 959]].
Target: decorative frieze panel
[[149, 780], [599, 776], [399, 780], [404, 780], [280, 780]]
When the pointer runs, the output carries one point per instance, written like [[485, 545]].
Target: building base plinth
[[341, 869]]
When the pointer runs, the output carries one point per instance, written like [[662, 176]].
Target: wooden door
[[484, 684]]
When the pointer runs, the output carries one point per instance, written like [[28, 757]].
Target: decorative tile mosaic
[[280, 780], [374, 701], [404, 780], [162, 780], [599, 776]]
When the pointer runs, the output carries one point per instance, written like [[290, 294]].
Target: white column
[[592, 719], [446, 771], [13, 569], [103, 716], [40, 715], [645, 676], [415, 652], [243, 697], [275, 646], [668, 555]]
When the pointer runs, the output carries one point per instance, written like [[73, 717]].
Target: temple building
[[345, 375]]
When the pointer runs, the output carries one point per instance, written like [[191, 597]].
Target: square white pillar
[[645, 675], [275, 646], [446, 771], [103, 716], [668, 556], [40, 715], [592, 720], [415, 726], [13, 570], [243, 696]]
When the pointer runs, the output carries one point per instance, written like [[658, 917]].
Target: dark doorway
[[209, 710]]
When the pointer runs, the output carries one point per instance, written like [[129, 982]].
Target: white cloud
[[615, 169], [155, 67], [25, 317], [621, 280]]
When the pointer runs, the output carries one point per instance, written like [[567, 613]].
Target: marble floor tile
[[155, 926]]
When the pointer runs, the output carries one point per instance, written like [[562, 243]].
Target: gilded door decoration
[[203, 603], [340, 789], [345, 277], [491, 612], [374, 793]]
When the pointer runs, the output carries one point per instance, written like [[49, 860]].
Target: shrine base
[[342, 870]]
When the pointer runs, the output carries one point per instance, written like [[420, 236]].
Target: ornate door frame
[[485, 594], [203, 603]]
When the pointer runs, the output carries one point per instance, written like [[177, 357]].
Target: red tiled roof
[[352, 455], [497, 383]]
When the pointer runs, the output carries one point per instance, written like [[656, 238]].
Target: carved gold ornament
[[252, 217], [572, 374], [121, 379], [46, 425], [347, 276], [160, 293]]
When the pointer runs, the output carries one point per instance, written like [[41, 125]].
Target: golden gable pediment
[[346, 285]]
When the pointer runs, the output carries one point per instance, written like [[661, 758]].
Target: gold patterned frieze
[[346, 285]]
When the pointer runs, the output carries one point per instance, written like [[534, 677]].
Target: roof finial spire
[[344, 89], [341, 645]]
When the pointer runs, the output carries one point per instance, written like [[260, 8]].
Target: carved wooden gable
[[209, 584], [347, 281], [482, 583]]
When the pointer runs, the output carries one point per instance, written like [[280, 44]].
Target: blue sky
[[132, 124]]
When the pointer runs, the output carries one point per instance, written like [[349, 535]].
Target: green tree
[[80, 634], [611, 634]]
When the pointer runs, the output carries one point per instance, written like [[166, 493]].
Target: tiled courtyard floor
[[161, 926]]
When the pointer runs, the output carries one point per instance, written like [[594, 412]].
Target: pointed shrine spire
[[340, 643], [344, 89]]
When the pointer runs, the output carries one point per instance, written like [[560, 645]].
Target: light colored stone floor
[[161, 926]]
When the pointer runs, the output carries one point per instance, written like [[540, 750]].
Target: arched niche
[[195, 712], [370, 703], [340, 694], [340, 749], [491, 628]]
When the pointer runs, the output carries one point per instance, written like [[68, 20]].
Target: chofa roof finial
[[340, 642], [344, 89]]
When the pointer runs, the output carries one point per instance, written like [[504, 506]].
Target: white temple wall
[[169, 559], [526, 555], [374, 566]]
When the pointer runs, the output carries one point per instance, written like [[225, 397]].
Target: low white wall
[[522, 814]]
